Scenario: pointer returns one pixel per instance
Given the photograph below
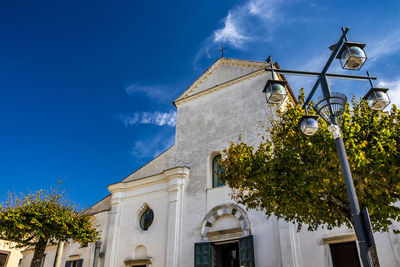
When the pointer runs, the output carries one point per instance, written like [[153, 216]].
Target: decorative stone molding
[[219, 87], [188, 94], [137, 262], [225, 234], [221, 210], [142, 208], [341, 238], [171, 178], [216, 65], [140, 252]]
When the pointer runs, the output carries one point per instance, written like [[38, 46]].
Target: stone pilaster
[[176, 181], [112, 240], [289, 243]]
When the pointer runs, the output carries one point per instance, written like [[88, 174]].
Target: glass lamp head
[[377, 98], [275, 91], [309, 124], [352, 56]]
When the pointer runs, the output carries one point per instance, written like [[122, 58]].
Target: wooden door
[[345, 255]]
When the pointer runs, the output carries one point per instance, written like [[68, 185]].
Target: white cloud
[[265, 9], [155, 92], [385, 47], [165, 143], [152, 147], [154, 118], [230, 34], [394, 90], [244, 24]]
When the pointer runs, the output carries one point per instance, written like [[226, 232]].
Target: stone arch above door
[[225, 210]]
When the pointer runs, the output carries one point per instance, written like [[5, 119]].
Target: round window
[[146, 219]]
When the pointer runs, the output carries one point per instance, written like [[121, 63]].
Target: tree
[[299, 178], [42, 217]]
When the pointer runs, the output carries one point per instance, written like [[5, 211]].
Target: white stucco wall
[[208, 124], [131, 236], [49, 258], [162, 193], [14, 254]]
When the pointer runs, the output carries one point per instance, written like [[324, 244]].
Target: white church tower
[[174, 211]]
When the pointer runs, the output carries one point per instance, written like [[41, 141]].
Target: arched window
[[216, 180]]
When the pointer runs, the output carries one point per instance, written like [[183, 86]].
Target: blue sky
[[87, 86]]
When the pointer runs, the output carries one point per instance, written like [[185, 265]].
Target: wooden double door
[[238, 253]]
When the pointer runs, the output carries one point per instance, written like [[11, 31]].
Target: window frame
[[215, 179], [74, 263], [143, 216], [7, 253]]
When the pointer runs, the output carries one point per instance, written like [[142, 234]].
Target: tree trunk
[[40, 248]]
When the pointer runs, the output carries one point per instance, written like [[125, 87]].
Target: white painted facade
[[225, 102], [10, 254]]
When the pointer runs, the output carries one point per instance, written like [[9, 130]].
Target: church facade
[[174, 211]]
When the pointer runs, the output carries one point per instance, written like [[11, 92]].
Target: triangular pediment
[[222, 71]]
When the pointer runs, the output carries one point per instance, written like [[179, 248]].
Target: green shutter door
[[203, 254], [246, 251]]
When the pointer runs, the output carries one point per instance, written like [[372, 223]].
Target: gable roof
[[158, 164], [165, 160], [227, 71], [222, 71], [100, 206]]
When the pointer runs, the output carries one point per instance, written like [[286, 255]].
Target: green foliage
[[40, 217], [299, 178]]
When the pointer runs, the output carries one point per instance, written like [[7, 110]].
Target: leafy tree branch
[[299, 178]]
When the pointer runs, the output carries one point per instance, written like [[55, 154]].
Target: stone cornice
[[216, 65], [165, 177], [220, 86], [137, 262], [186, 97], [209, 71], [339, 238]]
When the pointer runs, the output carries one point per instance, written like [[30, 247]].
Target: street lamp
[[377, 98], [309, 124], [352, 56], [330, 106], [275, 91]]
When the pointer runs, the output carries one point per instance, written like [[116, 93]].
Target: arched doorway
[[226, 238]]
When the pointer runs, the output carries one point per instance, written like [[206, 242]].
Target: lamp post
[[330, 106]]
